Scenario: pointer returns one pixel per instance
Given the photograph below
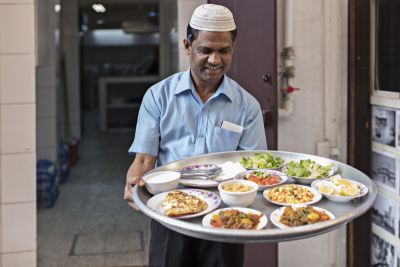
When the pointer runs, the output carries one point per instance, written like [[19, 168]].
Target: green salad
[[262, 161], [307, 169]]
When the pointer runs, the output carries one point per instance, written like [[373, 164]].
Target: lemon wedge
[[326, 189], [336, 178], [345, 183], [349, 191]]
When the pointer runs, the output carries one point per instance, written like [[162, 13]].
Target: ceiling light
[[57, 8], [99, 8]]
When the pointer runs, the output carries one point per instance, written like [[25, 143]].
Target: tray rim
[[251, 236]]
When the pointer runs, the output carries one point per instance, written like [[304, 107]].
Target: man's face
[[210, 55]]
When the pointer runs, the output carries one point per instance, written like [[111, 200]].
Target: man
[[191, 113]]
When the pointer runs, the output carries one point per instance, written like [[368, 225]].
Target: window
[[387, 55]]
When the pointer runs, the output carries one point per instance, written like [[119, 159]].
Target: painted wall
[[185, 10], [17, 134], [319, 118], [70, 50], [320, 43], [46, 83]]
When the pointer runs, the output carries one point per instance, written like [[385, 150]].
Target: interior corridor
[[90, 223]]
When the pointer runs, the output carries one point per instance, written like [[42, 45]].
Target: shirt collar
[[186, 83]]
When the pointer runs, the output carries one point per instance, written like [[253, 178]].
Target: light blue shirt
[[174, 123]]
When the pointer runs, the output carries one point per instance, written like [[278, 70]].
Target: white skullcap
[[212, 18]]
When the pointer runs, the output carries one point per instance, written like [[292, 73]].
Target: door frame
[[359, 121]]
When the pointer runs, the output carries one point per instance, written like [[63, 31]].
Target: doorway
[[118, 49]]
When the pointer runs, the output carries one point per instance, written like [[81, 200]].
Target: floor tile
[[91, 224]]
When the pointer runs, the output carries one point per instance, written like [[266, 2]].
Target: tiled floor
[[90, 224]]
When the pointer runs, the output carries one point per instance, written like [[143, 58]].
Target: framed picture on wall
[[384, 125], [398, 130], [383, 170], [382, 252], [385, 213]]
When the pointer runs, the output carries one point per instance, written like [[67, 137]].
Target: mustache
[[214, 66]]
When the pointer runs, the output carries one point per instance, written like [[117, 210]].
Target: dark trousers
[[171, 249]]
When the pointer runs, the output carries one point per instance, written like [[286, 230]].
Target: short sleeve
[[147, 134], [253, 137]]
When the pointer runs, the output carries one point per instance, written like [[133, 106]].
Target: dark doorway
[[120, 60]]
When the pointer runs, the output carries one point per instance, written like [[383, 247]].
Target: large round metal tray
[[344, 212]]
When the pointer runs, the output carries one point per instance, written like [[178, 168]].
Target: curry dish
[[178, 203], [235, 219], [302, 216]]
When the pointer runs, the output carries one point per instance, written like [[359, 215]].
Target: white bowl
[[239, 199], [162, 181], [363, 190]]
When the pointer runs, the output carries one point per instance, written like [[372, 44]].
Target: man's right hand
[[131, 181], [142, 164]]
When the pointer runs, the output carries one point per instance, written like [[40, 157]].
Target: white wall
[[319, 118], [17, 134], [320, 43], [46, 84], [185, 10], [70, 47]]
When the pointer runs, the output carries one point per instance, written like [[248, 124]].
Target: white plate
[[213, 201], [363, 190], [263, 219], [262, 187], [317, 196], [276, 216], [201, 183]]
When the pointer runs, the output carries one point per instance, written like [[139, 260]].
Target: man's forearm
[[141, 165]]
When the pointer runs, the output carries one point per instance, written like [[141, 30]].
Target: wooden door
[[359, 116], [254, 68], [254, 61]]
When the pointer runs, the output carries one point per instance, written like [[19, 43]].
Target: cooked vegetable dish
[[302, 216], [235, 219]]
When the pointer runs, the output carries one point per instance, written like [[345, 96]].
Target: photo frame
[[382, 252], [384, 170], [384, 125], [398, 129], [385, 214]]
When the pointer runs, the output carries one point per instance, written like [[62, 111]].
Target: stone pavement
[[90, 224]]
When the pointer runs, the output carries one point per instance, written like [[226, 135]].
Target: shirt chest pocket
[[224, 140]]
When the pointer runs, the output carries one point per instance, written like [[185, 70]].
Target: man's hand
[[130, 182], [142, 164]]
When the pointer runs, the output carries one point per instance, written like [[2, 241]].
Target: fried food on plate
[[178, 203]]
